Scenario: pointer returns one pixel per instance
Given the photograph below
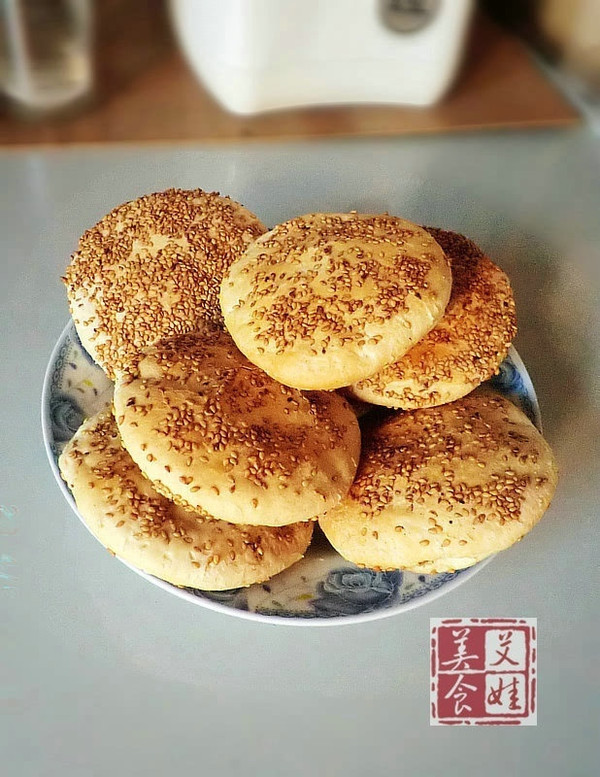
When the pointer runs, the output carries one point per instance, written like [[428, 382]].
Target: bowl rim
[[338, 620]]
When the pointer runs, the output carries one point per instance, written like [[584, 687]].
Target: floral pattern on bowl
[[320, 589]]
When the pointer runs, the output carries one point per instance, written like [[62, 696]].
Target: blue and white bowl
[[321, 589]]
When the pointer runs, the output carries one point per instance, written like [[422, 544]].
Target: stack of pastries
[[240, 356]]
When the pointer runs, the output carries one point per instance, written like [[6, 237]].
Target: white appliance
[[261, 55]]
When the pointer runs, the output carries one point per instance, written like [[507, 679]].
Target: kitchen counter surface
[[104, 674], [499, 85]]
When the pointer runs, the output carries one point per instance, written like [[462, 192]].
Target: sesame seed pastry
[[324, 300], [439, 489], [466, 346], [151, 268], [214, 432], [185, 548]]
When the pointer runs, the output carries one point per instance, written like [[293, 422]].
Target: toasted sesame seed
[[209, 425], [200, 235], [326, 305], [478, 326]]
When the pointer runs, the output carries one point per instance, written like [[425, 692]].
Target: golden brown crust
[[324, 300], [218, 434], [467, 345], [439, 489], [151, 268], [185, 548]]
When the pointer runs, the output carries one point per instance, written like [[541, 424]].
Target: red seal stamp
[[483, 671]]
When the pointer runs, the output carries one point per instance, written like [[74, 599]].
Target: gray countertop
[[104, 674]]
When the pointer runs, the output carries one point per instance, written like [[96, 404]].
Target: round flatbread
[[132, 520], [152, 268], [439, 489], [466, 346], [214, 432], [325, 300]]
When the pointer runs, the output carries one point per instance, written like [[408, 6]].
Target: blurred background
[[100, 71]]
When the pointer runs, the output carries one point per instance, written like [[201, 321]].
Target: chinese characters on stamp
[[483, 671]]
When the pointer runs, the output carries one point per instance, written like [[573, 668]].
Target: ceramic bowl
[[322, 588]]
